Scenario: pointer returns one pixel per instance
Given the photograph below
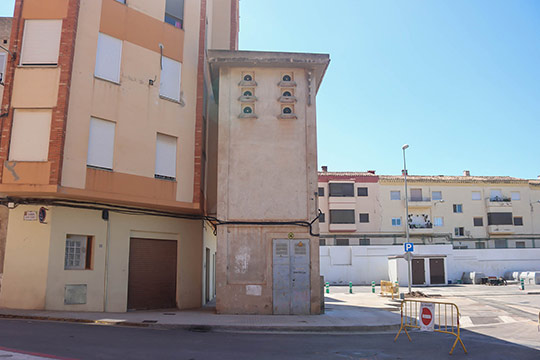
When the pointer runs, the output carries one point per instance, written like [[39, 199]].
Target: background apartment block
[[103, 153], [465, 211], [458, 224]]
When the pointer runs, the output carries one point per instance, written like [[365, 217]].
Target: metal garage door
[[152, 274]]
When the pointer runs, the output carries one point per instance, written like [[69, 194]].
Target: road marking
[[507, 319], [13, 354], [465, 321]]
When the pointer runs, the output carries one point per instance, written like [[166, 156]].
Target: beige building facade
[[104, 153], [469, 212], [139, 166]]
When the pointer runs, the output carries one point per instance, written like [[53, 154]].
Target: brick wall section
[[5, 30], [14, 46], [59, 116], [59, 113], [235, 18], [199, 109]]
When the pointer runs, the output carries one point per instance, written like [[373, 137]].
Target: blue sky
[[457, 80]]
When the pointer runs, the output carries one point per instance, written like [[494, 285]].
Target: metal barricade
[[445, 317], [389, 289]]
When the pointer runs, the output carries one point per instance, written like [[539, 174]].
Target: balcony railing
[[500, 199], [427, 225], [418, 198]]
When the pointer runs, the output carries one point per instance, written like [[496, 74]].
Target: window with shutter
[[41, 42], [342, 217], [3, 61], [108, 58], [30, 135], [101, 144], [165, 157], [171, 72]]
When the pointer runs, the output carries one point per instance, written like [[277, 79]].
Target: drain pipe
[[105, 216]]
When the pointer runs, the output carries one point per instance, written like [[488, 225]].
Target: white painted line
[[465, 321], [507, 319], [18, 356]]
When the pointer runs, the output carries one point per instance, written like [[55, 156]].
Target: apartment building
[[136, 162], [465, 211], [447, 216], [103, 153]]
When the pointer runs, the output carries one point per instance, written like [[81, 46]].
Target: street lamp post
[[404, 147]]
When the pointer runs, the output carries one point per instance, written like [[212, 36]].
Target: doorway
[[418, 272], [291, 277], [152, 274], [436, 271]]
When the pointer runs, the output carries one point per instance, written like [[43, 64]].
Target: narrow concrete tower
[[266, 181]]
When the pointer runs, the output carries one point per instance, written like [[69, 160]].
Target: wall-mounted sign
[[42, 215], [30, 216], [291, 235]]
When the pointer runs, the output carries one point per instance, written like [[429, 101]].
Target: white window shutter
[[30, 135], [171, 73], [166, 155], [41, 42], [101, 143], [108, 58], [3, 61]]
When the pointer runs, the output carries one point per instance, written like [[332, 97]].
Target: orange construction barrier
[[432, 316], [389, 289]]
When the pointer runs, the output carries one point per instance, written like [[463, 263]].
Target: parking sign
[[409, 247]]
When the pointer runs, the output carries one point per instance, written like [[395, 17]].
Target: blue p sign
[[409, 247]]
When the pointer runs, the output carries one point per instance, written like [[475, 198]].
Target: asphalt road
[[80, 341]]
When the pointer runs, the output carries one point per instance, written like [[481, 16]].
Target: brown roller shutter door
[[152, 274]]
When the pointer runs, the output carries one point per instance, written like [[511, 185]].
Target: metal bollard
[[522, 282], [373, 287], [327, 287], [350, 287]]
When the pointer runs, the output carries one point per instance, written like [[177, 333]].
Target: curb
[[218, 328]]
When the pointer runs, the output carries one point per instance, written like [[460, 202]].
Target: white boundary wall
[[363, 264]]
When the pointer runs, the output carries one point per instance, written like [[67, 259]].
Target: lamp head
[[406, 146]]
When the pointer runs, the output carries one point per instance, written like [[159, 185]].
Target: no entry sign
[[427, 316]]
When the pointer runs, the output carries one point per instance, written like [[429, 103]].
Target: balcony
[[420, 202], [425, 228], [342, 227], [500, 229], [497, 203], [341, 199]]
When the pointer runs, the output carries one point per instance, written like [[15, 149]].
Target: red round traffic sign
[[427, 316]]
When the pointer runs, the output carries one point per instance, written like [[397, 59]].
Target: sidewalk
[[341, 316]]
